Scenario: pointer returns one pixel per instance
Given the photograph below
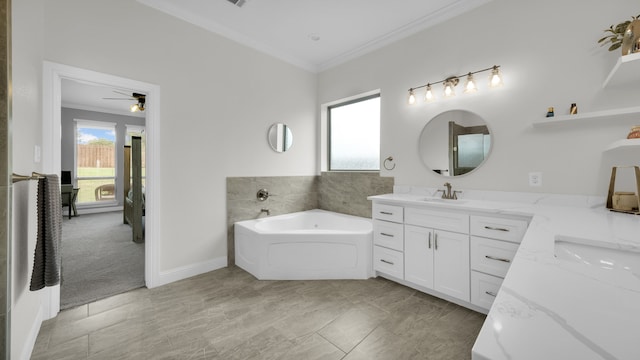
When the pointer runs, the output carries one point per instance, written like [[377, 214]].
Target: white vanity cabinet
[[461, 255], [438, 260], [388, 240], [494, 242], [436, 253]]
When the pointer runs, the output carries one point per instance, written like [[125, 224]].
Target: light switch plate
[[535, 179], [37, 154]]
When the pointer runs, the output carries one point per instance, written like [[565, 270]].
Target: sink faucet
[[446, 194]]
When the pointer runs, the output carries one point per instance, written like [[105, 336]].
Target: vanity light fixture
[[412, 97], [496, 77], [449, 86], [470, 86], [428, 95]]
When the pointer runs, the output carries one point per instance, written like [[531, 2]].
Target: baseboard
[[96, 210], [184, 272], [30, 341]]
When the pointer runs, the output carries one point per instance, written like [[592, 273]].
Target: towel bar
[[34, 176]]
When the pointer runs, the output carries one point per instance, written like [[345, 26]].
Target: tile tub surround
[[228, 314], [341, 192], [546, 308], [287, 194], [346, 192]]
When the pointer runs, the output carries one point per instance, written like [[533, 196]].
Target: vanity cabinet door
[[451, 264], [418, 255]]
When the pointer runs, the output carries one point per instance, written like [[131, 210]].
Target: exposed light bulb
[[134, 108], [495, 80], [412, 97], [470, 85], [428, 96]]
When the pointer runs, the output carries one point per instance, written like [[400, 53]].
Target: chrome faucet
[[263, 210]]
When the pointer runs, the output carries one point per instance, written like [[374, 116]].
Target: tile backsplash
[[342, 192]]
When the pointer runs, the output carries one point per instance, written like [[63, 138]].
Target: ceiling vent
[[237, 3]]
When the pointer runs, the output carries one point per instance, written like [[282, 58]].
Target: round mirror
[[454, 143], [280, 137]]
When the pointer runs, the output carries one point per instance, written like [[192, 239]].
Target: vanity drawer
[[438, 219], [388, 212], [388, 261], [484, 289], [492, 256], [388, 234], [498, 228]]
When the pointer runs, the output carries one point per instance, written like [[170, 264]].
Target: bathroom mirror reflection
[[280, 137], [454, 143]]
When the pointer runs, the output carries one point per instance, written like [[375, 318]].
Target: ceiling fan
[[140, 98]]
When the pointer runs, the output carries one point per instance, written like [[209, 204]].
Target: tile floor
[[228, 314]]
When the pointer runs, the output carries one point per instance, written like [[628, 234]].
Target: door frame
[[52, 76]]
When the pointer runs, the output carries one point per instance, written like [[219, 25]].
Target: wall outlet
[[535, 179]]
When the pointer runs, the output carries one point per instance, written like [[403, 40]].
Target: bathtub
[[307, 245]]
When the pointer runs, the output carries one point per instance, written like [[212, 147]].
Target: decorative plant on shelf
[[616, 35]]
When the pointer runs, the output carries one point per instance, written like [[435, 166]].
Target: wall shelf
[[625, 71], [624, 144], [605, 115]]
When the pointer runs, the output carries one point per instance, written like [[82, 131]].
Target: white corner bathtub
[[307, 245]]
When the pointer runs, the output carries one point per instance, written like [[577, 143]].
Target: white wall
[[549, 57], [28, 42], [218, 100]]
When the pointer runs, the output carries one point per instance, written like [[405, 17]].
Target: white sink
[[597, 254], [444, 201]]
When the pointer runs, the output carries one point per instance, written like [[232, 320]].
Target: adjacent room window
[[95, 161], [354, 134]]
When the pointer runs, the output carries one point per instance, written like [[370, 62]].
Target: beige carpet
[[99, 259]]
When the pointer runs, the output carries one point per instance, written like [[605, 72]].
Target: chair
[[69, 196], [105, 192]]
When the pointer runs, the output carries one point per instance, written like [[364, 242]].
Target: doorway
[[53, 74], [99, 255]]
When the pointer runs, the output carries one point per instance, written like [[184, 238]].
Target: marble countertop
[[552, 308]]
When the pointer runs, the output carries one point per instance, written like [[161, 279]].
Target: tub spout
[[263, 210]]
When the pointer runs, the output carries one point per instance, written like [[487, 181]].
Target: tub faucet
[[263, 210]]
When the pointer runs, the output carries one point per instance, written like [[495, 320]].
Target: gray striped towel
[[46, 261]]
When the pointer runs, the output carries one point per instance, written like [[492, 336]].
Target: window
[[95, 161], [354, 134]]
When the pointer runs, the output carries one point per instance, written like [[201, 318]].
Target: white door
[[418, 255], [451, 264]]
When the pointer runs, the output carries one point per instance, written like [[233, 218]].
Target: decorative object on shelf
[[574, 109], [625, 200], [611, 197], [634, 133], [470, 86], [631, 38], [618, 36], [389, 164], [550, 112]]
